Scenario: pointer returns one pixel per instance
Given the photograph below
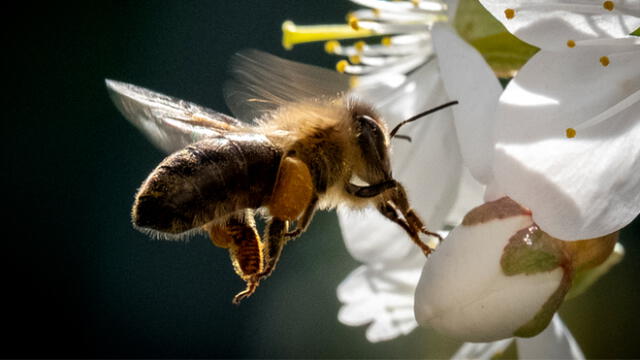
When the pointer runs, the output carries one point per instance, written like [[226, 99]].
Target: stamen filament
[[293, 34]]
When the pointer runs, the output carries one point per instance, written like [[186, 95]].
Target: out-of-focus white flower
[[555, 342]]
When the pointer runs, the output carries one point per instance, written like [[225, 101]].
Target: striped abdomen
[[207, 180]]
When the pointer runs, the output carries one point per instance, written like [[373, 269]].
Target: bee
[[304, 151]]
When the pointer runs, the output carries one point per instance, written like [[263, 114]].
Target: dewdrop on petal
[[497, 275]]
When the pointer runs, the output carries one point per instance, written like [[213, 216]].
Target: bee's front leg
[[371, 190], [398, 198], [391, 212]]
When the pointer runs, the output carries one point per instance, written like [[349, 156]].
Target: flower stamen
[[604, 61], [509, 13], [571, 133], [608, 5], [293, 34]]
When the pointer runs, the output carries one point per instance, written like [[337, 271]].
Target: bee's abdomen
[[206, 180]]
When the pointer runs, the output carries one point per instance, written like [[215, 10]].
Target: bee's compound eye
[[367, 124]]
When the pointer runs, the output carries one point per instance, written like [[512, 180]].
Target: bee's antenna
[[418, 116], [403, 137]]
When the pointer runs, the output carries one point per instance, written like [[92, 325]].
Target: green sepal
[[531, 251]]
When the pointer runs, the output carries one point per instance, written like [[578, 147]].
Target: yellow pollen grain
[[509, 13], [604, 61], [341, 66], [416, 3], [359, 45], [571, 43], [354, 81], [353, 22], [376, 12], [571, 133], [608, 5], [355, 59], [386, 41], [331, 46]]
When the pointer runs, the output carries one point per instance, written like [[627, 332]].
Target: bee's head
[[372, 142]]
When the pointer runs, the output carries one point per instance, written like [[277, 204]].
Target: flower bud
[[497, 275]]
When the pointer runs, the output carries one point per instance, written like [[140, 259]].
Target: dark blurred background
[[78, 281]]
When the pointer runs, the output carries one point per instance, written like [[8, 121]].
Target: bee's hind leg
[[240, 236]]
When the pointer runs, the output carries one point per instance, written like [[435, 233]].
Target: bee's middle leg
[[293, 199]]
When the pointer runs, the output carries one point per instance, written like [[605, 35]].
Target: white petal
[[464, 293], [549, 24], [469, 196], [555, 342], [429, 167], [481, 351], [382, 295], [583, 187], [468, 79]]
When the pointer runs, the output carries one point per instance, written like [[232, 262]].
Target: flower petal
[[469, 79], [555, 342], [550, 24], [587, 186], [481, 351], [382, 295], [464, 292]]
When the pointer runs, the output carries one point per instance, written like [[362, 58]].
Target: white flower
[[577, 186], [555, 342], [567, 131], [495, 149]]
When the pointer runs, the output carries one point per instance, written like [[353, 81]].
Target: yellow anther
[[571, 43], [359, 46], [355, 59], [416, 3], [354, 81], [604, 61], [376, 12], [609, 5], [353, 22], [386, 41], [341, 66], [509, 13], [293, 34], [331, 46], [571, 133]]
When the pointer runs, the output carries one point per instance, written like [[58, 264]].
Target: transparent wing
[[169, 123], [262, 82]]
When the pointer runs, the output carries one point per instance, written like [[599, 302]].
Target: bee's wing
[[262, 82], [169, 123]]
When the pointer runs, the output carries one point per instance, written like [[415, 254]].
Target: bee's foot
[[251, 288], [293, 234]]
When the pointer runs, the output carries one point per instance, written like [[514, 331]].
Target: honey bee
[[307, 145]]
